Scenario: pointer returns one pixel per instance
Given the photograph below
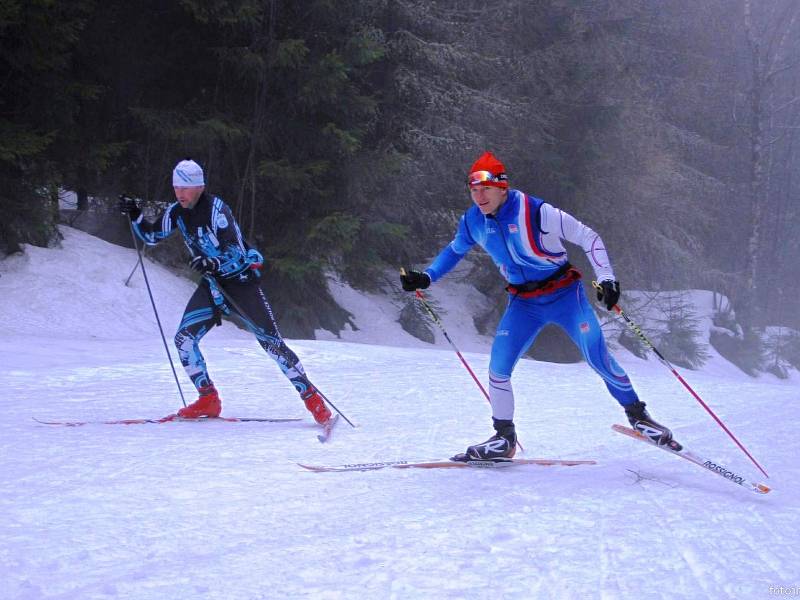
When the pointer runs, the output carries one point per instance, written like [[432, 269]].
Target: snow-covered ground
[[221, 510], [376, 315]]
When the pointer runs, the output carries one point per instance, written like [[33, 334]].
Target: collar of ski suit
[[508, 209], [202, 201]]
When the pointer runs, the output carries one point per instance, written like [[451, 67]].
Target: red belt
[[568, 278]]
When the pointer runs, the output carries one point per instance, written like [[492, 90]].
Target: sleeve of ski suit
[[233, 255], [162, 228], [452, 253], [557, 223]]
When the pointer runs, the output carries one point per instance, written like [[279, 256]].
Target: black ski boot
[[642, 422], [501, 445]]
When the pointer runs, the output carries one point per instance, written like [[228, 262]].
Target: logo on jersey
[[222, 222], [585, 327], [512, 228]]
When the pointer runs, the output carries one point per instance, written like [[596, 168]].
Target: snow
[[376, 315], [221, 510]]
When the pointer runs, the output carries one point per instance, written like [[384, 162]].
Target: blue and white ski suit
[[524, 239]]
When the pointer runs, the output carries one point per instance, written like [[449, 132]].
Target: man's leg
[[259, 318], [198, 318], [515, 333], [578, 319]]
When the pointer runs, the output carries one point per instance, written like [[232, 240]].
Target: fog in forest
[[341, 133]]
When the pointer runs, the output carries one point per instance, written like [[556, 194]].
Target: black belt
[[532, 286]]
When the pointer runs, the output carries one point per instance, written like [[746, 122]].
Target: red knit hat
[[488, 171]]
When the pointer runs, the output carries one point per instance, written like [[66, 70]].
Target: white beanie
[[187, 173]]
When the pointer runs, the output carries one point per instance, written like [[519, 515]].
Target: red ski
[[170, 419]]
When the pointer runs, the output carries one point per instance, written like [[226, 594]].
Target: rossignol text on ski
[[678, 449]]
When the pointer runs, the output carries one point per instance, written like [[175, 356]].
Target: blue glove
[[205, 264]]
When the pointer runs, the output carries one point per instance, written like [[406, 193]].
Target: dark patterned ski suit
[[210, 230]]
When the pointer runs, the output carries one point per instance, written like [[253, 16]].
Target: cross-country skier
[[523, 235], [227, 263]]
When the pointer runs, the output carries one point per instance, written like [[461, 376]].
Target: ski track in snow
[[221, 510]]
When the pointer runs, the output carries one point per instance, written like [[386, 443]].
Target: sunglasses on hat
[[479, 177]]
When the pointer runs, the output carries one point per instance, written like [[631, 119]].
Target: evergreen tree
[[38, 101], [340, 133]]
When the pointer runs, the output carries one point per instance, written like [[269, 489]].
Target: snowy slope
[[220, 511], [376, 315]]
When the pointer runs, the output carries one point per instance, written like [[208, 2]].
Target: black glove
[[205, 265], [608, 293], [414, 280], [129, 206]]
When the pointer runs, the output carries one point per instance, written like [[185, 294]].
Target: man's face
[[488, 198], [188, 196]]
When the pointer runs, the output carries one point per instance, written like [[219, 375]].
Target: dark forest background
[[340, 132]]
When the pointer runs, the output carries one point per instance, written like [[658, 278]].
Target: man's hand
[[608, 293], [205, 265], [129, 206], [414, 280]]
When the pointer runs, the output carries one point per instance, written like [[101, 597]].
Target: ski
[[327, 429], [680, 450], [170, 419], [446, 464]]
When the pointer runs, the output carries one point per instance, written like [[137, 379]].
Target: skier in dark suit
[[227, 263]]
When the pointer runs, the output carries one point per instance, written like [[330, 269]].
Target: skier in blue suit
[[523, 235]]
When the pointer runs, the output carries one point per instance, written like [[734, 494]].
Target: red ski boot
[[207, 405], [316, 406]]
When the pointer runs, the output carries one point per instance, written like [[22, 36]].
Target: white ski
[[679, 450], [444, 464]]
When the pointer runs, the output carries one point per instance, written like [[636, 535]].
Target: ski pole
[[252, 325], [638, 331], [128, 280], [153, 303], [439, 323]]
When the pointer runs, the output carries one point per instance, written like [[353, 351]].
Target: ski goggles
[[487, 178]]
